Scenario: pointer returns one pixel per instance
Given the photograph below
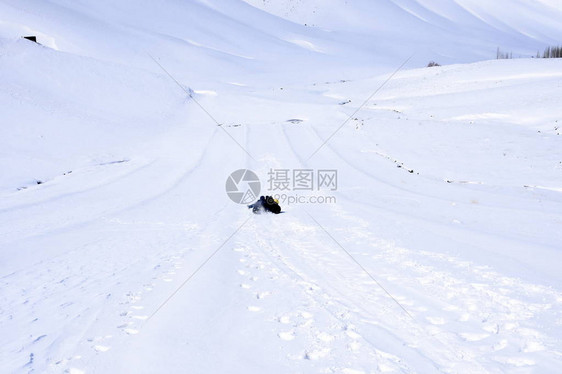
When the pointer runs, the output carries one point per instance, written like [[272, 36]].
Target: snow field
[[448, 195]]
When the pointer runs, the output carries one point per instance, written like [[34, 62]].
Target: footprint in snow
[[287, 336], [533, 346], [100, 343], [501, 345], [316, 354], [473, 337], [261, 295], [127, 327], [325, 337]]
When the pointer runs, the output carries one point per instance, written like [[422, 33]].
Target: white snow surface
[[120, 251]]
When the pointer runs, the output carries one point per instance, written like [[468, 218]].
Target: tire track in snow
[[314, 287], [470, 308], [466, 320], [315, 332], [130, 282], [175, 264]]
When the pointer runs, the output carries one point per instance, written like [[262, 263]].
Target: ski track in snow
[[482, 306], [468, 316]]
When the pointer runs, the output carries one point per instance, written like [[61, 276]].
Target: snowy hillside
[[451, 31], [433, 246]]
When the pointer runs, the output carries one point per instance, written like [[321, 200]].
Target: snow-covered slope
[[450, 31], [120, 251]]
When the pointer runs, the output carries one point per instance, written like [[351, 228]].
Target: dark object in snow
[[32, 38], [265, 204], [295, 121]]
